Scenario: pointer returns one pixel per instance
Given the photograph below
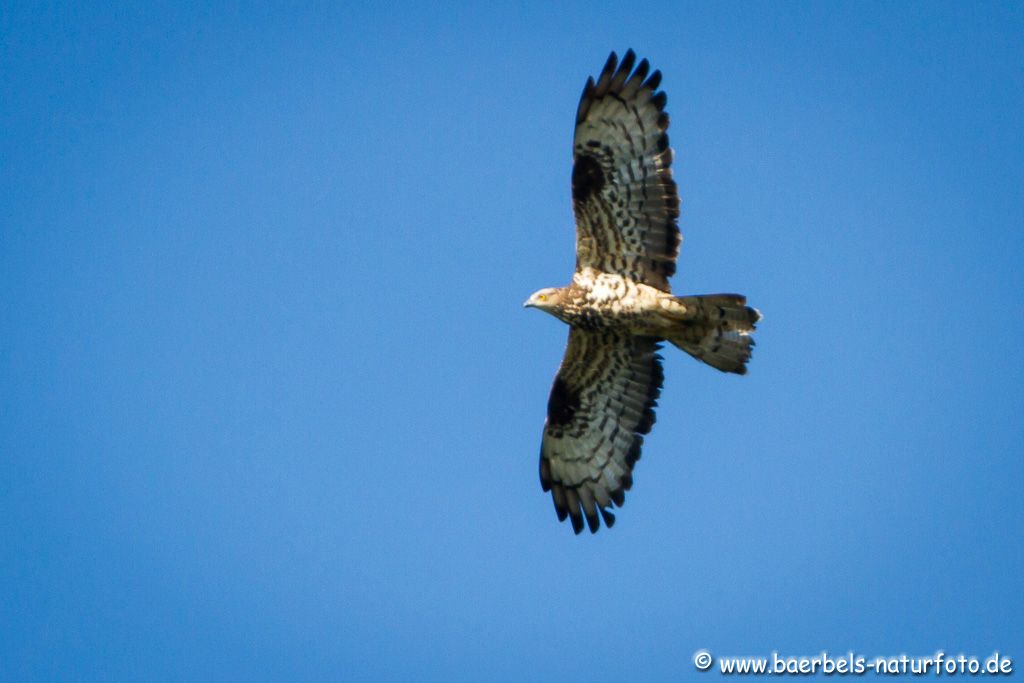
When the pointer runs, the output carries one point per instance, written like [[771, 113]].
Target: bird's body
[[619, 305], [587, 302]]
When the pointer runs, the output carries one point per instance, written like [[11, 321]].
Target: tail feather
[[714, 328]]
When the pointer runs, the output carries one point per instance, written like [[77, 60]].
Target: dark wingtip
[[628, 59], [654, 80], [634, 454], [584, 106], [646, 421], [587, 87], [577, 523], [641, 70], [609, 65], [608, 517]]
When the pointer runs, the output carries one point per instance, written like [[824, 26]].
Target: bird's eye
[[542, 297]]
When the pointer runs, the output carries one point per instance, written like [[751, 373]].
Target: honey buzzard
[[619, 305]]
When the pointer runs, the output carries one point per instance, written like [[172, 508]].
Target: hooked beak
[[528, 304]]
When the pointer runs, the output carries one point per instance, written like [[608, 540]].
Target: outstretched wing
[[601, 403], [625, 200]]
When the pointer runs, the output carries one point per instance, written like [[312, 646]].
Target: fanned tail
[[714, 328]]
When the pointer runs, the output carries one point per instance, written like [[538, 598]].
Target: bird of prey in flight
[[619, 305]]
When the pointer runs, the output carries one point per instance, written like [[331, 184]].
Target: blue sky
[[270, 407]]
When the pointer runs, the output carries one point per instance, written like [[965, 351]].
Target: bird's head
[[548, 299]]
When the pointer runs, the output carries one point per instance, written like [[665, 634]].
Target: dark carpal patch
[[587, 177], [562, 404]]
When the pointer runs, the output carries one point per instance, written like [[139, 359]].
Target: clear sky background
[[270, 407]]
